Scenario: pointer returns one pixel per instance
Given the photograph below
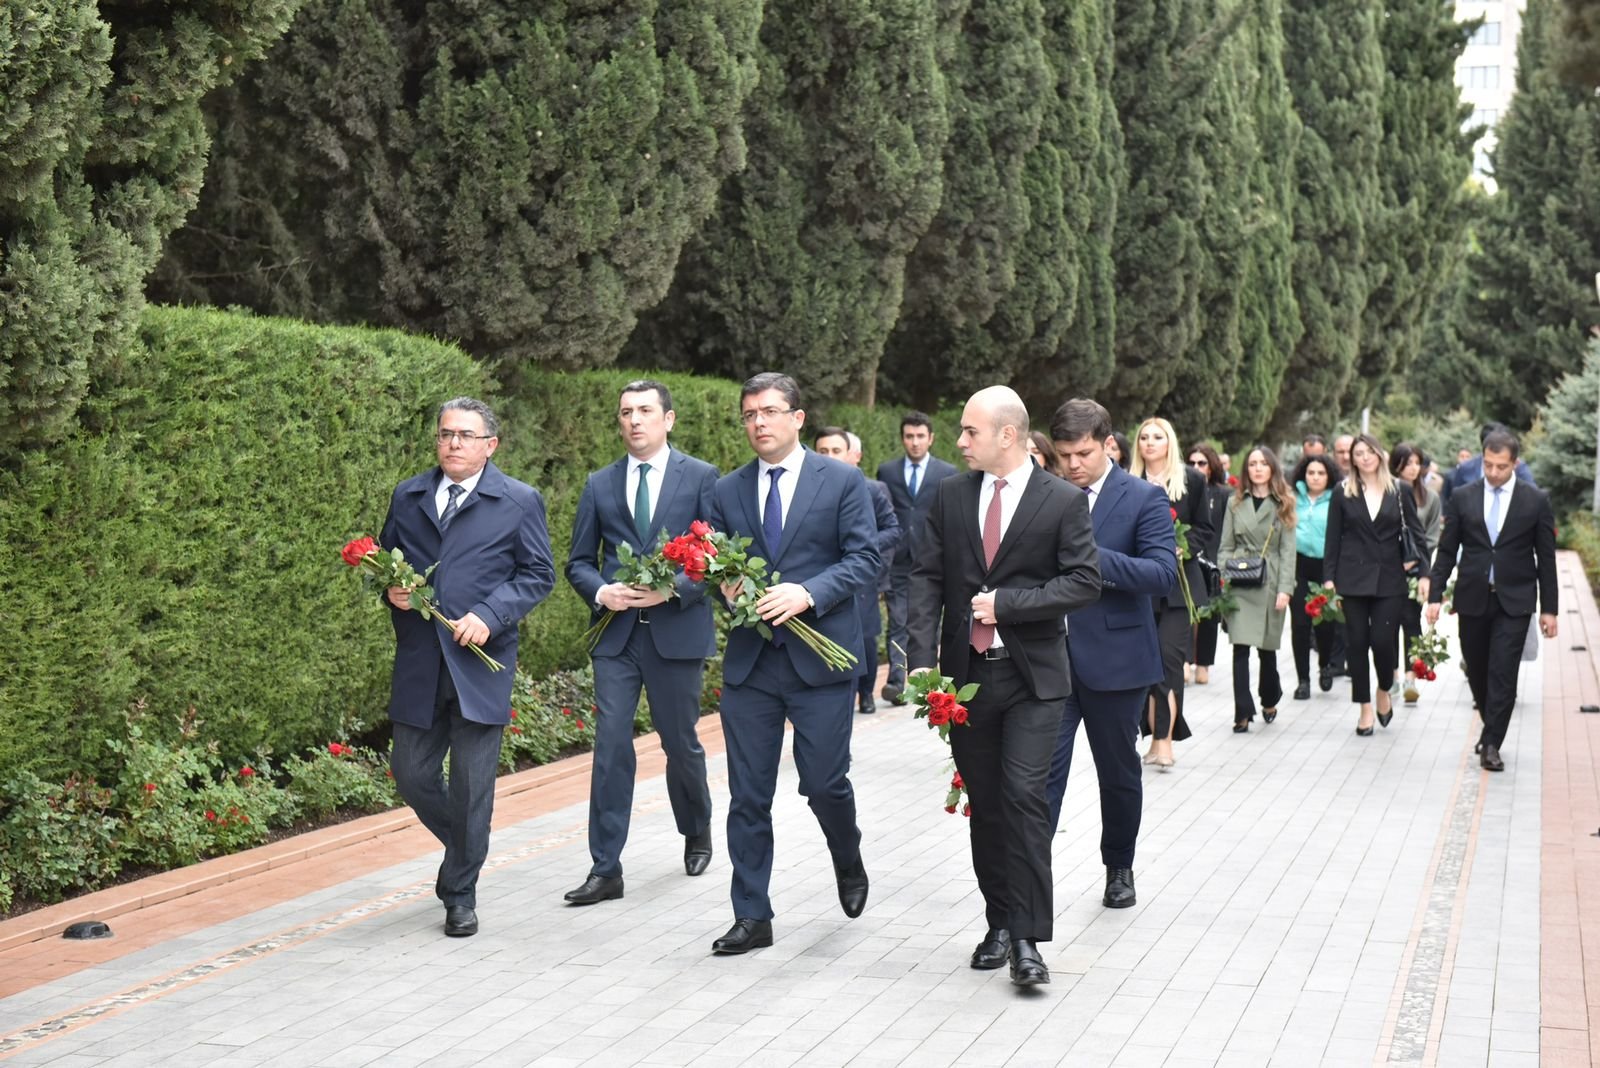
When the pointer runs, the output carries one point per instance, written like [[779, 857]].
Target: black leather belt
[[644, 615], [994, 652]]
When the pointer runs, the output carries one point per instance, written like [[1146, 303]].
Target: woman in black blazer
[[1158, 459], [1363, 561], [1203, 645]]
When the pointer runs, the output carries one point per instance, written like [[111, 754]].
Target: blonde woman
[[1157, 458], [1259, 523], [1364, 562]]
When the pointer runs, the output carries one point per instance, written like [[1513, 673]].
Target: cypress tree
[[1531, 292], [1334, 67], [1579, 53], [802, 266], [101, 156], [1423, 163], [521, 182]]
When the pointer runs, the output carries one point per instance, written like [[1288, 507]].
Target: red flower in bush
[[338, 750], [566, 711], [211, 816], [353, 551], [149, 787], [580, 724], [247, 771]]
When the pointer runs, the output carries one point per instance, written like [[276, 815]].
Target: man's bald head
[[994, 430]]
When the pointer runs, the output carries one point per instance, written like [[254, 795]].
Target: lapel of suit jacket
[[1111, 493], [971, 490], [1028, 507], [425, 499], [617, 476], [745, 493], [807, 482], [672, 484]]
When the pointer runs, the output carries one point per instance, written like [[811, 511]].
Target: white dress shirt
[[658, 467], [786, 482], [441, 496], [1094, 488], [1010, 497]]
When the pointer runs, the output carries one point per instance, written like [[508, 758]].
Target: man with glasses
[[655, 643], [486, 533], [810, 519]]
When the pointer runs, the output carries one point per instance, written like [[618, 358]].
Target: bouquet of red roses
[[1427, 651], [1324, 606], [388, 568], [654, 572], [935, 698], [710, 555]]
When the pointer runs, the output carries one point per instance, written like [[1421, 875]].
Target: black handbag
[[1211, 573], [1249, 572], [1409, 549]]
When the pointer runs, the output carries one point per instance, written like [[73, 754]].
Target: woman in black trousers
[[1316, 480], [1203, 649], [1158, 459], [1365, 564]]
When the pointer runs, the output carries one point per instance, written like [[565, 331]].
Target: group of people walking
[[1069, 573]]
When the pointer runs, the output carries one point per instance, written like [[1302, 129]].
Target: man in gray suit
[[654, 642], [911, 480]]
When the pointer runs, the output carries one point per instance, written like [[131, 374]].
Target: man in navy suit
[[841, 444], [1506, 534], [910, 480], [487, 534], [655, 643], [811, 521], [1116, 654]]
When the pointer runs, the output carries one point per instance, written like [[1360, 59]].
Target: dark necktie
[[450, 507], [983, 633], [641, 507], [772, 530], [916, 480]]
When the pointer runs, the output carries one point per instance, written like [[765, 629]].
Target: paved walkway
[[1305, 897]]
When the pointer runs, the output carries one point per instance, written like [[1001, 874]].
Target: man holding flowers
[[657, 640], [487, 534], [810, 519]]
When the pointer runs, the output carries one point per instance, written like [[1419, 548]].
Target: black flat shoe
[[1027, 967], [993, 951], [1302, 692], [696, 853], [1269, 714], [1325, 679], [1241, 726], [744, 936], [853, 886], [1119, 889], [460, 921], [595, 888], [1490, 758]]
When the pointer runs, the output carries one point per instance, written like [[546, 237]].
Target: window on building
[[1483, 77], [1484, 117], [1486, 34]]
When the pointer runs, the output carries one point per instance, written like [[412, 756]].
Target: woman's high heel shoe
[[1269, 714], [1385, 717], [1241, 726], [1365, 732]]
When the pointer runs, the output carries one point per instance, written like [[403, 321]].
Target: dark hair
[[772, 380], [1124, 449], [1279, 490], [1502, 440], [1081, 418], [831, 432], [1215, 475], [1489, 428], [1313, 439], [1330, 465], [1401, 455], [1051, 463], [915, 419], [643, 385], [491, 425]]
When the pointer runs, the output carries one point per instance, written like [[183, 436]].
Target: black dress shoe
[[1027, 967], [460, 921], [595, 888], [993, 951], [894, 693], [1269, 714], [853, 885], [1477, 750], [1302, 692], [1325, 679], [744, 936], [1491, 758], [696, 855], [865, 706], [1241, 726], [1119, 888]]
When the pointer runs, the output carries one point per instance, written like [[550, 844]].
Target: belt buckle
[[644, 615]]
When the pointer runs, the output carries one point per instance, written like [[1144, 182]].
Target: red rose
[[1430, 676], [354, 550], [1174, 512], [336, 749], [710, 550], [966, 809], [959, 714], [956, 783], [950, 809], [513, 713], [516, 730], [566, 711], [211, 816], [149, 787], [247, 771], [700, 528], [938, 716], [1233, 480], [580, 724]]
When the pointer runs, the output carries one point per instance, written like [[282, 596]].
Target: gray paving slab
[[1306, 897]]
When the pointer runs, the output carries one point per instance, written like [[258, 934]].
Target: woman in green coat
[[1259, 521]]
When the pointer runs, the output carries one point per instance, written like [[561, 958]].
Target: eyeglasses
[[1197, 462], [466, 437], [765, 414]]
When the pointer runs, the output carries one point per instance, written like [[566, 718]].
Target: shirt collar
[[1100, 483], [469, 483], [792, 462], [1505, 491], [1014, 479], [658, 462]]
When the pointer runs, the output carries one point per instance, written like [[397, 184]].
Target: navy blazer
[[494, 562], [1523, 556], [913, 514], [680, 629], [890, 533], [828, 545], [1113, 642]]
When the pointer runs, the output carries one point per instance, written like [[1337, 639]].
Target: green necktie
[[641, 507]]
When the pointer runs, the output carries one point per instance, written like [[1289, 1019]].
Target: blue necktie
[[772, 530], [1494, 526], [916, 480], [450, 507]]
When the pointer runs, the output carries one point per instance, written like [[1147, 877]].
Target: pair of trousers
[[1491, 646], [458, 814], [753, 714], [1302, 633], [1003, 753], [897, 606], [1270, 689], [1205, 641], [1410, 629], [1371, 634], [673, 689], [871, 620], [1110, 719]]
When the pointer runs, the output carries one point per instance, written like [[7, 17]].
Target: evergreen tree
[[101, 156], [521, 182], [1579, 54], [1334, 66], [802, 266], [1423, 164], [1562, 452], [1447, 375], [1531, 295]]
